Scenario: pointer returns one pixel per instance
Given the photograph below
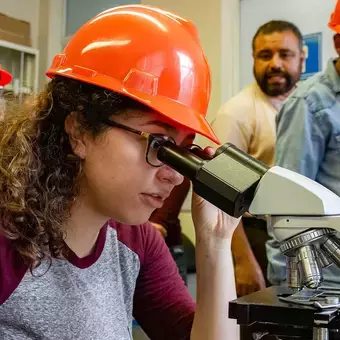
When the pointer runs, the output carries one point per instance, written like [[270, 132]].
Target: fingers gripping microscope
[[305, 219]]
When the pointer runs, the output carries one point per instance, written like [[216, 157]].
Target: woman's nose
[[167, 174]]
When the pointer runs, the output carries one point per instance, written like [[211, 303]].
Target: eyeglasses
[[154, 141]]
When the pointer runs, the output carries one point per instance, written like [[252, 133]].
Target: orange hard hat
[[5, 77], [148, 54], [334, 22]]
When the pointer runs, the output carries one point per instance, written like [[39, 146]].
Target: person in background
[[248, 121], [166, 221], [80, 178], [308, 139]]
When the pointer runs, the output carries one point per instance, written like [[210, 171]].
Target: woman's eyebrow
[[169, 128]]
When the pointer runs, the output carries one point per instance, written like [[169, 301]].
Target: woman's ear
[[76, 136]]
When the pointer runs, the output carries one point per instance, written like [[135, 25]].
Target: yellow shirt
[[248, 121]]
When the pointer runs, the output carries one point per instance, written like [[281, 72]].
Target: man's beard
[[276, 89]]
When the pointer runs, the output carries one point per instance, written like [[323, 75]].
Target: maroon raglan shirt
[[129, 273]]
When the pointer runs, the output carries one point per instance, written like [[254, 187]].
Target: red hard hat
[[334, 22], [5, 77], [148, 54]]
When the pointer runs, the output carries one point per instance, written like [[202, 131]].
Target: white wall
[[50, 34], [310, 16]]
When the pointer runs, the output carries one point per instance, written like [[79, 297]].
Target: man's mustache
[[276, 74]]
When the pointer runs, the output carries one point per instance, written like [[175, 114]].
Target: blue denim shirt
[[308, 142]]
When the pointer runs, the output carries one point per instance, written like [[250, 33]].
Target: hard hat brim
[[335, 28]]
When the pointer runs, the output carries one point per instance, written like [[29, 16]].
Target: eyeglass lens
[[154, 143]]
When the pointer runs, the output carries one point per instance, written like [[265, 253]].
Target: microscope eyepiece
[[228, 180], [180, 159]]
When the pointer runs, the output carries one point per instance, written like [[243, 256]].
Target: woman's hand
[[210, 220]]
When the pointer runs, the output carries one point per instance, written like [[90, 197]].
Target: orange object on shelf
[[5, 77]]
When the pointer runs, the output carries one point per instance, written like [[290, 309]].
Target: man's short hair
[[278, 26]]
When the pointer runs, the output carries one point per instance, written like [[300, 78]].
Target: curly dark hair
[[39, 175]]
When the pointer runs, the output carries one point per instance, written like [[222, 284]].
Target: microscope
[[304, 217]]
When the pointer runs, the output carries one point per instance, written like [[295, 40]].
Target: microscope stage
[[265, 307]]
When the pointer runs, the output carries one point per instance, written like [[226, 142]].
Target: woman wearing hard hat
[[80, 179]]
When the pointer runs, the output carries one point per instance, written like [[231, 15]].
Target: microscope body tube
[[228, 180]]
